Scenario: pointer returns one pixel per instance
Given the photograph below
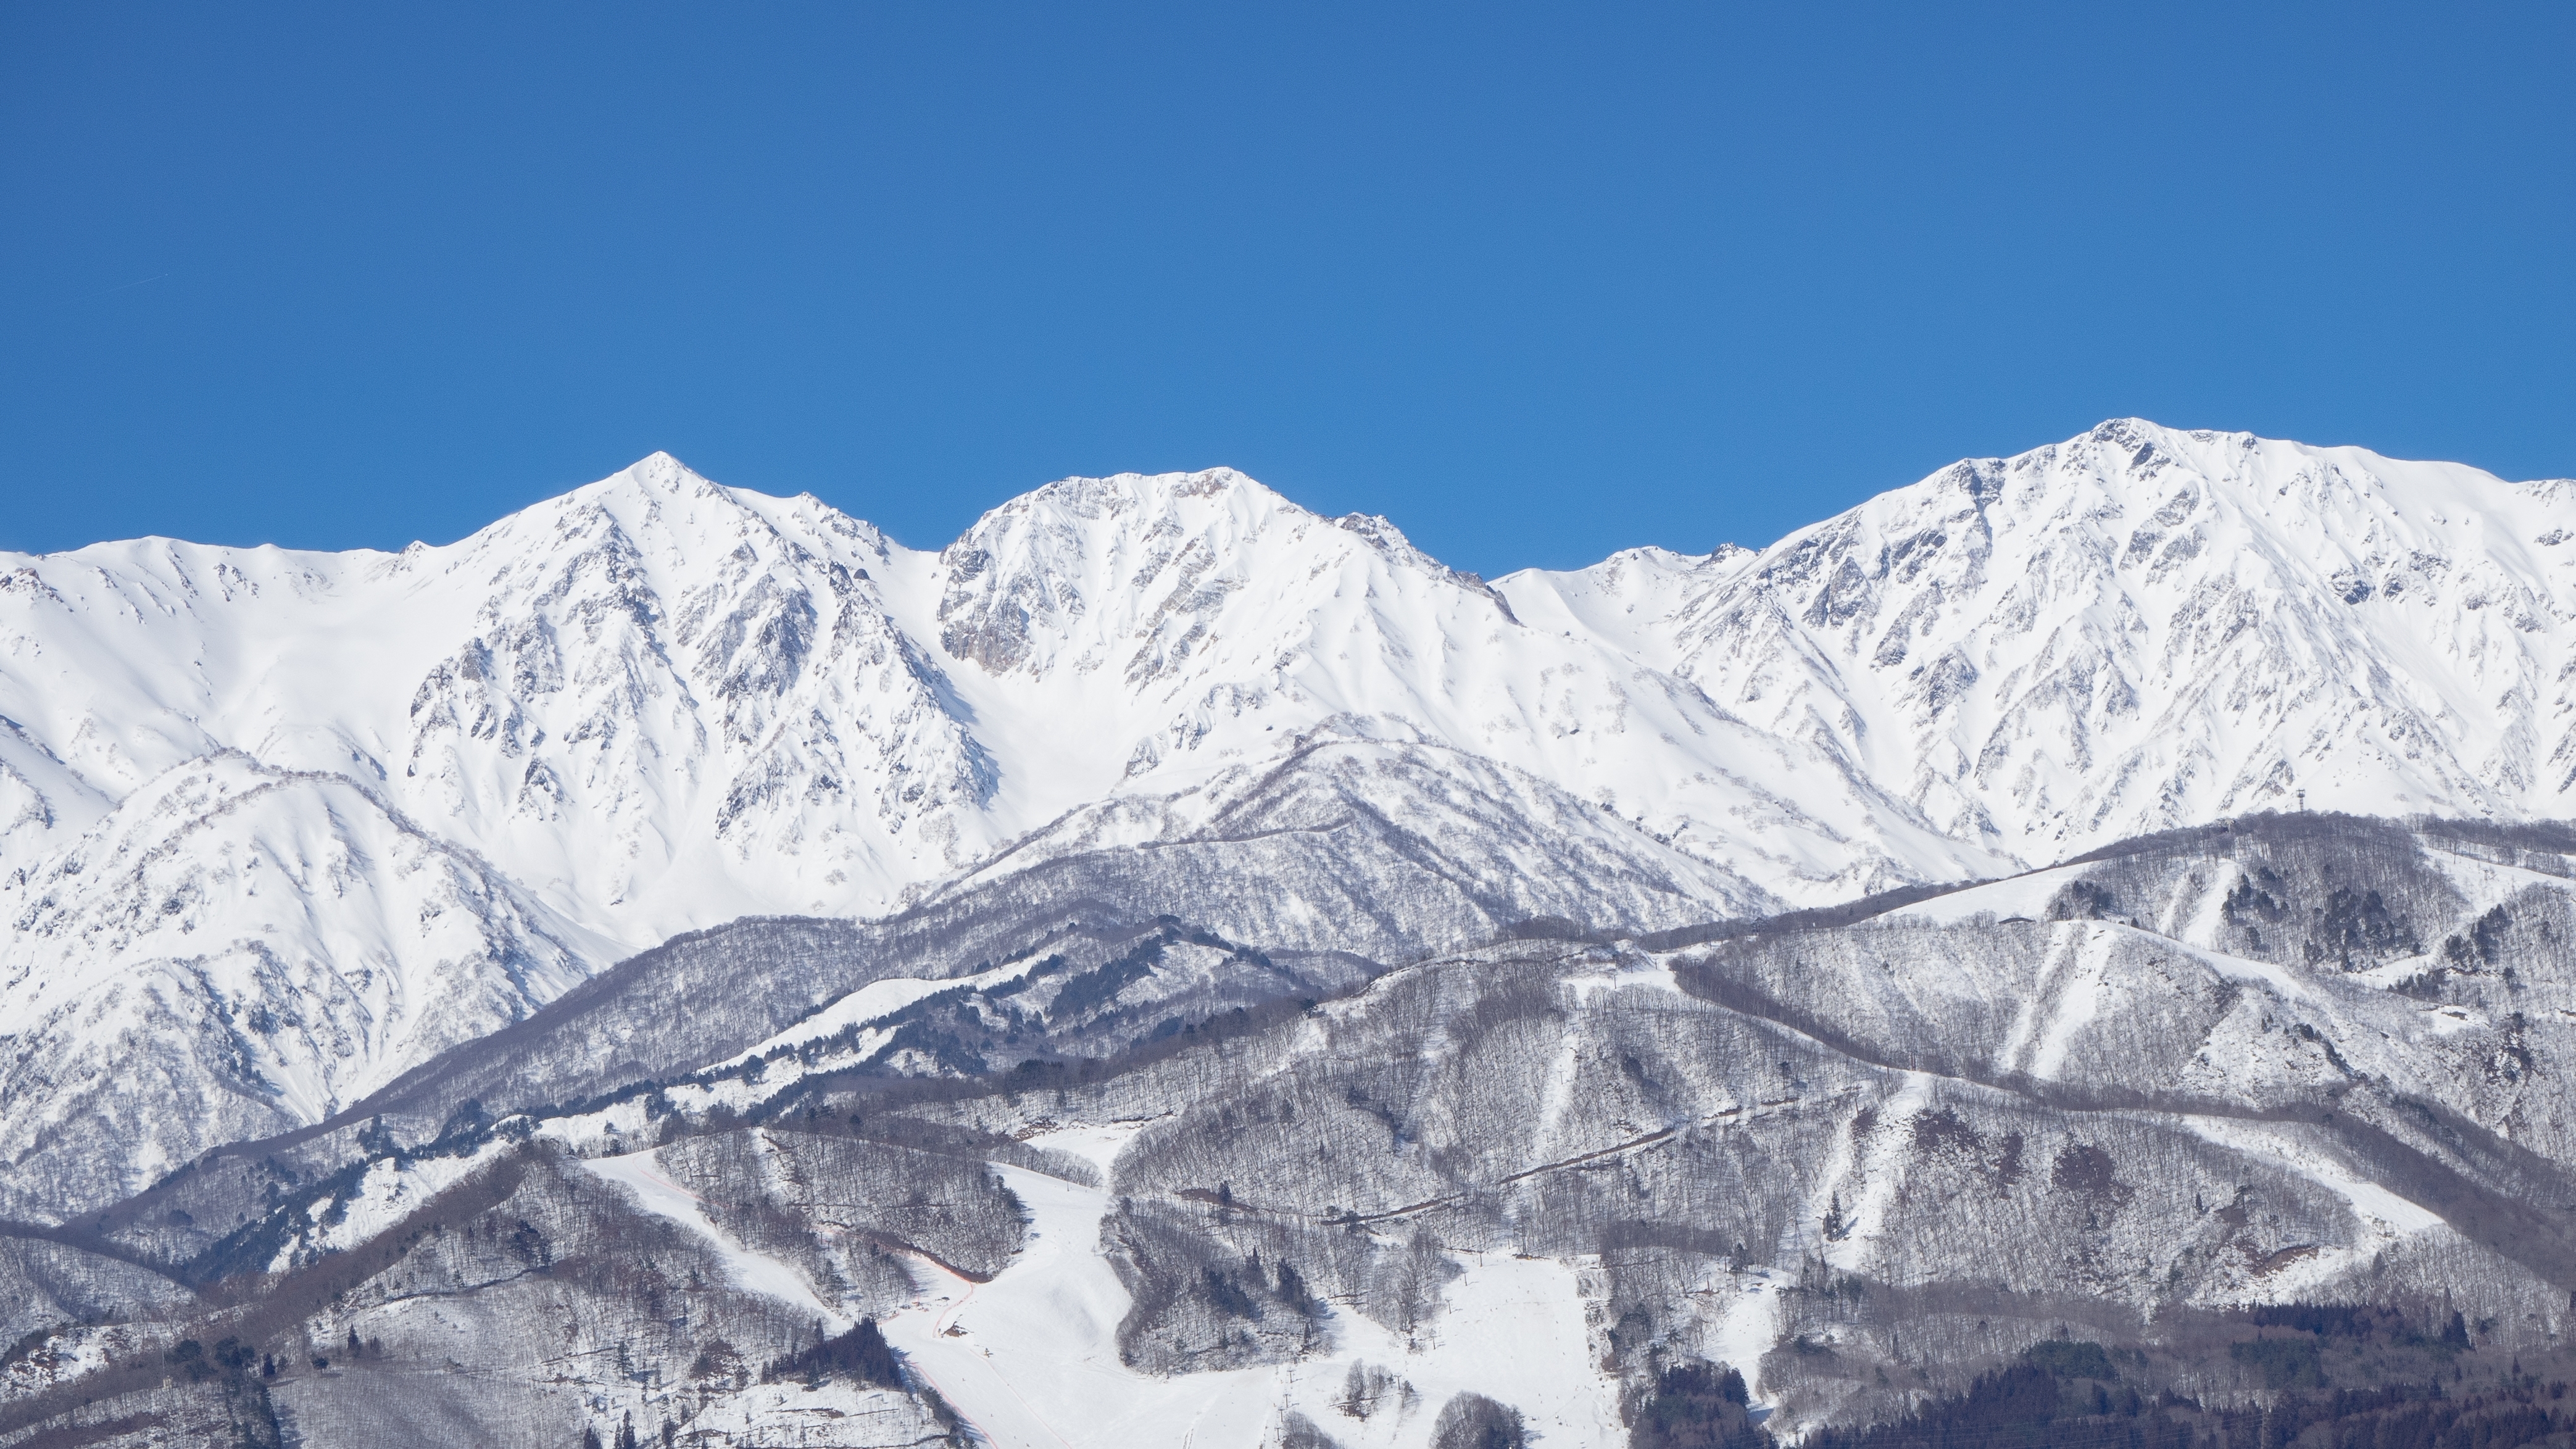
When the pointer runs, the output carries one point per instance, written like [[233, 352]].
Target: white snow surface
[[2141, 628], [873, 1002], [289, 823], [1031, 1358], [2022, 897], [640, 1173]]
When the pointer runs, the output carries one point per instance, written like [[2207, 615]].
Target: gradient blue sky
[[1536, 282]]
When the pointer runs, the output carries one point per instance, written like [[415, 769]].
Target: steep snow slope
[[1134, 636], [2139, 628], [482, 771], [236, 951], [650, 687], [1327, 827], [659, 703], [655, 704]]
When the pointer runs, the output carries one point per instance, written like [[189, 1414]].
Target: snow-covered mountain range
[[2140, 628], [1180, 796], [290, 823]]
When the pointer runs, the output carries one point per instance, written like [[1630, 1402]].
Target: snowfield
[[1031, 1358]]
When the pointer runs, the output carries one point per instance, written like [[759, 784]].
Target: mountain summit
[[1173, 968], [294, 822], [2142, 628]]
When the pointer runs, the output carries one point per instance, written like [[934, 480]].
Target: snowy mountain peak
[[1275, 825], [664, 509], [656, 473], [656, 703], [1143, 572], [2144, 626], [1152, 492]]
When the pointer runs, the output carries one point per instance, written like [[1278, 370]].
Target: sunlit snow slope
[[276, 826], [2140, 628]]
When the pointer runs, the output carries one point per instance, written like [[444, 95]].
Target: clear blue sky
[[1537, 282]]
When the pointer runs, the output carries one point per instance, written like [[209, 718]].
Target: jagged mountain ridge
[[654, 704], [654, 680], [2142, 628]]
